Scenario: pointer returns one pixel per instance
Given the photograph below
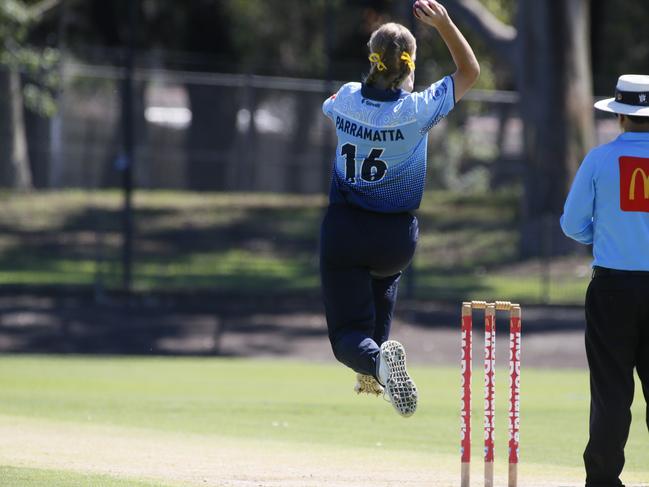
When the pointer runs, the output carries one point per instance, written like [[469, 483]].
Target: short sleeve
[[434, 103], [327, 106]]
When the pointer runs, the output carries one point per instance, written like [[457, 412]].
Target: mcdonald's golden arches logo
[[634, 184], [645, 183]]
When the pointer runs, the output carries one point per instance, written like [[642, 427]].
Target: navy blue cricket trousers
[[362, 255], [617, 342]]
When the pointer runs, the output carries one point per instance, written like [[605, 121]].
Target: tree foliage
[[284, 37], [620, 41], [37, 64]]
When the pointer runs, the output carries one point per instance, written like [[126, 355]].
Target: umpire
[[608, 207]]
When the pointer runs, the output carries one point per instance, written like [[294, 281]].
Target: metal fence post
[[129, 149]]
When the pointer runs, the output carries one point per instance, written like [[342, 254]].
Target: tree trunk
[[37, 129], [14, 160], [548, 55], [211, 136], [298, 166], [554, 82], [581, 126]]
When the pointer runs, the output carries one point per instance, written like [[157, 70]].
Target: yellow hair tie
[[408, 60], [375, 57]]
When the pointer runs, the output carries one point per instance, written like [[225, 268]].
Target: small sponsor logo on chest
[[634, 184], [370, 103]]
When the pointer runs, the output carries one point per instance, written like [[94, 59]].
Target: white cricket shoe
[[366, 384], [400, 388]]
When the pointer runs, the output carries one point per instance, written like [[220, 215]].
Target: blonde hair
[[390, 42]]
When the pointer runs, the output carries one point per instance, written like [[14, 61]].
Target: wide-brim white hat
[[631, 96]]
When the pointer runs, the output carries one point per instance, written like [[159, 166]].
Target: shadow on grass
[[225, 248], [213, 325], [251, 249], [155, 325], [229, 275]]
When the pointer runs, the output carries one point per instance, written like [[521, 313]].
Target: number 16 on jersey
[[372, 168]]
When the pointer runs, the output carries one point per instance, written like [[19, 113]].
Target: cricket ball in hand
[[416, 7]]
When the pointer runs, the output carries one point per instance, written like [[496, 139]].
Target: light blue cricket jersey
[[380, 160], [608, 204]]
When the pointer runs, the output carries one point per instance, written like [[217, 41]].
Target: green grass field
[[249, 243], [31, 477], [78, 421]]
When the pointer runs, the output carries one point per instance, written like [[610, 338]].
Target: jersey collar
[[634, 136], [378, 94]]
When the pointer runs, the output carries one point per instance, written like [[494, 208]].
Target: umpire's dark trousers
[[362, 254], [617, 342]]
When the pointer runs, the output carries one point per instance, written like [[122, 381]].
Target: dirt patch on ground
[[196, 460], [273, 327]]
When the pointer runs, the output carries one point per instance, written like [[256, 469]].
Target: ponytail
[[392, 47]]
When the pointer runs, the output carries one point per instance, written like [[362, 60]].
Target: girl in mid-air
[[369, 232]]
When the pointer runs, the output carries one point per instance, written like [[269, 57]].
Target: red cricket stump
[[490, 392], [490, 388], [514, 392], [466, 367]]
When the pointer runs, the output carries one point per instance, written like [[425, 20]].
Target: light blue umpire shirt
[[608, 203]]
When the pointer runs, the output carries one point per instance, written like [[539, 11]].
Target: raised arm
[[434, 14]]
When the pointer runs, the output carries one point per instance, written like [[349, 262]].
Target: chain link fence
[[231, 174]]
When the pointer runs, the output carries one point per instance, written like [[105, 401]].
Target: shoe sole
[[401, 389]]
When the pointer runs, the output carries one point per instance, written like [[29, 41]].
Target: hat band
[[633, 98]]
